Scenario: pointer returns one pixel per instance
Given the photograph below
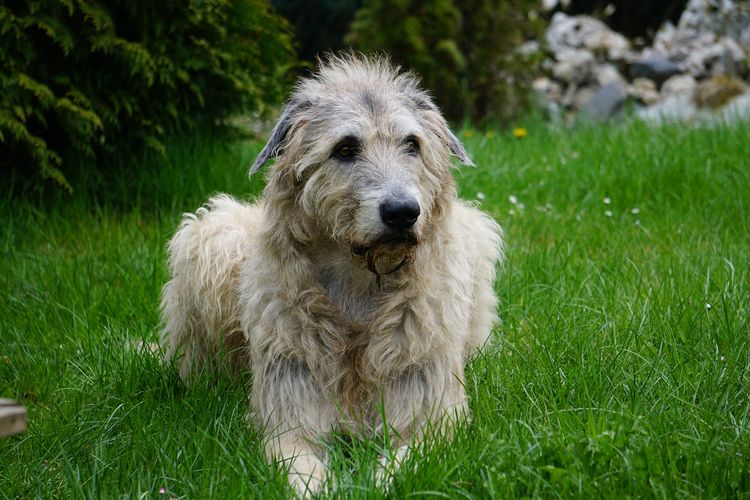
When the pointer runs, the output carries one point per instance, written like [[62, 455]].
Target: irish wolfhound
[[356, 288]]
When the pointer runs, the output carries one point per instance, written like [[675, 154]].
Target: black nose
[[399, 213]]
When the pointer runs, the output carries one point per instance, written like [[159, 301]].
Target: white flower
[[708, 306], [607, 201], [513, 199], [608, 213], [635, 211], [637, 222], [480, 196]]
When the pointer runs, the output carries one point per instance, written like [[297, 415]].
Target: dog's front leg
[[307, 472], [428, 399], [297, 417]]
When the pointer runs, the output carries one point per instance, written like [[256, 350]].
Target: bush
[[319, 25], [83, 78], [465, 51]]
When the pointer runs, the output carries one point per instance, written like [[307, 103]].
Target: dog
[[357, 286]]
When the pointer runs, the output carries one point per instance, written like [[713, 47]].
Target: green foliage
[[319, 25], [465, 51], [81, 78]]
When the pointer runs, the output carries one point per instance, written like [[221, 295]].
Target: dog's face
[[368, 154]]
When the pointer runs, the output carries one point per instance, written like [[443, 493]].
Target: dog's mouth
[[389, 253]]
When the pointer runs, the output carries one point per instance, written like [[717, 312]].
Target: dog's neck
[[350, 285]]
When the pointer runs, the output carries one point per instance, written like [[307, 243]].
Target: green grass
[[611, 376]]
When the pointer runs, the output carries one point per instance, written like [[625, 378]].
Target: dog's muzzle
[[393, 250]]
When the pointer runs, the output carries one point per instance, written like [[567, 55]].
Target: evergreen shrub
[[81, 78], [466, 51]]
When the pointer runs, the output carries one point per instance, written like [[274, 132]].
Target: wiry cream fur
[[339, 326]]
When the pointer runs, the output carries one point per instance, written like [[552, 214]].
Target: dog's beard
[[388, 253]]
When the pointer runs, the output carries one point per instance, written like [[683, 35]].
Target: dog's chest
[[350, 288], [355, 302]]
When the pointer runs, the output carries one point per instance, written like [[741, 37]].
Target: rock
[[573, 66], [717, 91], [709, 55], [608, 73], [653, 66], [732, 57], [678, 84], [675, 108], [737, 109], [548, 88], [744, 39], [680, 108], [605, 103], [722, 17], [584, 32], [644, 90], [570, 94], [582, 96]]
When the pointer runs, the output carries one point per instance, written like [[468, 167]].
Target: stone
[[738, 109], [608, 73], [744, 39], [584, 32], [643, 90], [722, 17], [653, 66], [548, 88], [582, 96], [605, 103], [573, 66], [716, 92], [674, 108], [678, 84]]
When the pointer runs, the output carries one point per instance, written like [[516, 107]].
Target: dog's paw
[[388, 465], [307, 475]]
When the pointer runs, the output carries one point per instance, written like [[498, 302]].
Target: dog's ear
[[424, 103], [280, 131]]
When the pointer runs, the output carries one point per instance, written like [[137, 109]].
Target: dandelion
[[513, 199], [607, 201], [635, 211], [490, 134], [480, 196], [608, 213], [468, 133], [520, 132]]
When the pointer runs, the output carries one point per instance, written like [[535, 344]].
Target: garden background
[[622, 366]]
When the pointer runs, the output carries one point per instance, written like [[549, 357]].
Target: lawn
[[621, 368]]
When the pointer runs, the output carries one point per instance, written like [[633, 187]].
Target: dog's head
[[363, 160]]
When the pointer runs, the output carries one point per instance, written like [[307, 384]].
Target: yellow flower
[[490, 134], [468, 133], [520, 132]]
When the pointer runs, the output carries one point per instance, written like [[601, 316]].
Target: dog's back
[[199, 304]]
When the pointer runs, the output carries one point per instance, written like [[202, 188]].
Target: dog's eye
[[412, 145], [346, 150]]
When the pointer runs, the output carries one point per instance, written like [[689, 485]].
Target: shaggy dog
[[356, 288]]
